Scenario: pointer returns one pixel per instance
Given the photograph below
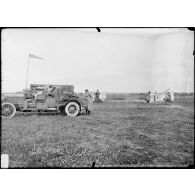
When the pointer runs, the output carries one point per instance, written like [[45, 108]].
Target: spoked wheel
[[72, 109], [8, 110]]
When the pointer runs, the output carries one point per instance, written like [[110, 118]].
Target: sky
[[113, 60]]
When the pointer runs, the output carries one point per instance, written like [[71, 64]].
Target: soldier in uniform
[[97, 96], [90, 102], [147, 97]]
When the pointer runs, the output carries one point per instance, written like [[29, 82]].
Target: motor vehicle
[[43, 98]]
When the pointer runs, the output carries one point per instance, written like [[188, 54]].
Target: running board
[[52, 109], [35, 109]]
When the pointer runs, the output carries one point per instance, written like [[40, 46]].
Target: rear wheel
[[8, 110], [72, 109]]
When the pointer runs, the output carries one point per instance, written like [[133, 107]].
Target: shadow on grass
[[27, 114]]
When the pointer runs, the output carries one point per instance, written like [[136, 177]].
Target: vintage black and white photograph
[[97, 97]]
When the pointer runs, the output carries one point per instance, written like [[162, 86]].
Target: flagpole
[[27, 70]]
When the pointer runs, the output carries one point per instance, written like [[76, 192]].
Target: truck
[[44, 98]]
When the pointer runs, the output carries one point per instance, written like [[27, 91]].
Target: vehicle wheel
[[8, 110], [72, 109]]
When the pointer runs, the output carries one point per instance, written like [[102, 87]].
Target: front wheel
[[8, 110], [72, 109]]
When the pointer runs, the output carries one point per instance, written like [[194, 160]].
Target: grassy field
[[117, 134]]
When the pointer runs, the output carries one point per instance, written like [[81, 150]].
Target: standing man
[[148, 97], [90, 102], [97, 95], [155, 96]]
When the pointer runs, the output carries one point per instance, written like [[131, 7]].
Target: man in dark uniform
[[97, 96], [90, 102], [147, 98]]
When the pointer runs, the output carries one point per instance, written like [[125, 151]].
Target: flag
[[33, 56]]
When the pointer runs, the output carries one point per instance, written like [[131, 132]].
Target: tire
[[8, 110], [72, 109]]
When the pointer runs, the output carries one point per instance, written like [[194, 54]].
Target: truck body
[[59, 98]]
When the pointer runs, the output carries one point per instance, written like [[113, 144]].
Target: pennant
[[33, 56]]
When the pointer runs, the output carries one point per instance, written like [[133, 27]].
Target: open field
[[117, 134]]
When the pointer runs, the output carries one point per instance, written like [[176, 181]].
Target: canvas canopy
[[68, 88], [159, 97]]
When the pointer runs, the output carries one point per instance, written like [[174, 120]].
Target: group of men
[[49, 89], [90, 100], [165, 96]]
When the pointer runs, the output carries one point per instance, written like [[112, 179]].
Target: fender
[[82, 103]]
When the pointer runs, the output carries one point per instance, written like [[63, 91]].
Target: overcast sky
[[114, 60]]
